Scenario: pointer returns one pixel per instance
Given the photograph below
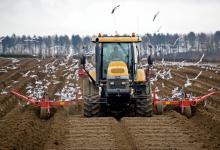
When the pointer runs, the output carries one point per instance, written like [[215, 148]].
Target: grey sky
[[88, 17]]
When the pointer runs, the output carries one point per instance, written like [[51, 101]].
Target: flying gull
[[113, 10], [155, 16], [200, 60]]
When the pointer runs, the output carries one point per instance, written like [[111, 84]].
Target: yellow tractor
[[117, 85]]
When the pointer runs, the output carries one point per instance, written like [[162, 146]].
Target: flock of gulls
[[39, 88], [165, 74]]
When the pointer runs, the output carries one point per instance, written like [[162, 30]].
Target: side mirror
[[150, 60], [82, 60]]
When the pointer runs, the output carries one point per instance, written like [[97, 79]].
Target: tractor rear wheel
[[144, 107]]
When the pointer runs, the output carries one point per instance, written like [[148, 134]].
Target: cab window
[[115, 52]]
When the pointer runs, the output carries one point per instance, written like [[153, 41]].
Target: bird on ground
[[211, 89], [163, 86], [180, 65], [188, 83]]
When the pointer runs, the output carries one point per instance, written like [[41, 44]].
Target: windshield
[[115, 52]]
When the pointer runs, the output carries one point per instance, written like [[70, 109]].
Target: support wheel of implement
[[144, 107], [43, 113], [91, 108], [187, 111], [159, 108]]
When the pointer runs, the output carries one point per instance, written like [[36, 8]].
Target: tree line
[[160, 44], [43, 46]]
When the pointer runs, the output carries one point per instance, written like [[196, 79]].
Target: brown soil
[[21, 128]]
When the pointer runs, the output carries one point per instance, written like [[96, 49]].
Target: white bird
[[163, 86], [29, 87], [155, 16], [196, 76], [4, 92], [175, 90], [200, 60], [163, 62], [113, 10], [180, 65], [211, 89], [26, 74], [177, 40], [56, 82], [3, 70], [152, 80], [156, 90], [14, 60], [38, 82], [57, 94], [169, 76], [33, 76], [188, 83], [14, 81]]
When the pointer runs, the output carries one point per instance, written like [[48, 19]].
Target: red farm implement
[[45, 105], [185, 104]]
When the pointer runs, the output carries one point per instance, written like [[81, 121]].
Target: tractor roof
[[113, 39]]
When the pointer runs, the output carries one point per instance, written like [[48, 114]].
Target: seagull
[[14, 60], [155, 16], [188, 83], [113, 10], [155, 79], [211, 89], [15, 82], [158, 30], [200, 60], [3, 70], [175, 90], [26, 74], [177, 40], [4, 92], [156, 90], [169, 74], [163, 62], [197, 76], [180, 65], [163, 86]]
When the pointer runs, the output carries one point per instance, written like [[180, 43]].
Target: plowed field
[[21, 128]]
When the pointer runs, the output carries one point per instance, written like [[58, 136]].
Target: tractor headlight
[[123, 83], [112, 83]]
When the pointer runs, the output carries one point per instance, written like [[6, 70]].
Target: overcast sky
[[89, 17]]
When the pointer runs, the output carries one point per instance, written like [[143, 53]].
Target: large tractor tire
[[92, 107], [144, 107]]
